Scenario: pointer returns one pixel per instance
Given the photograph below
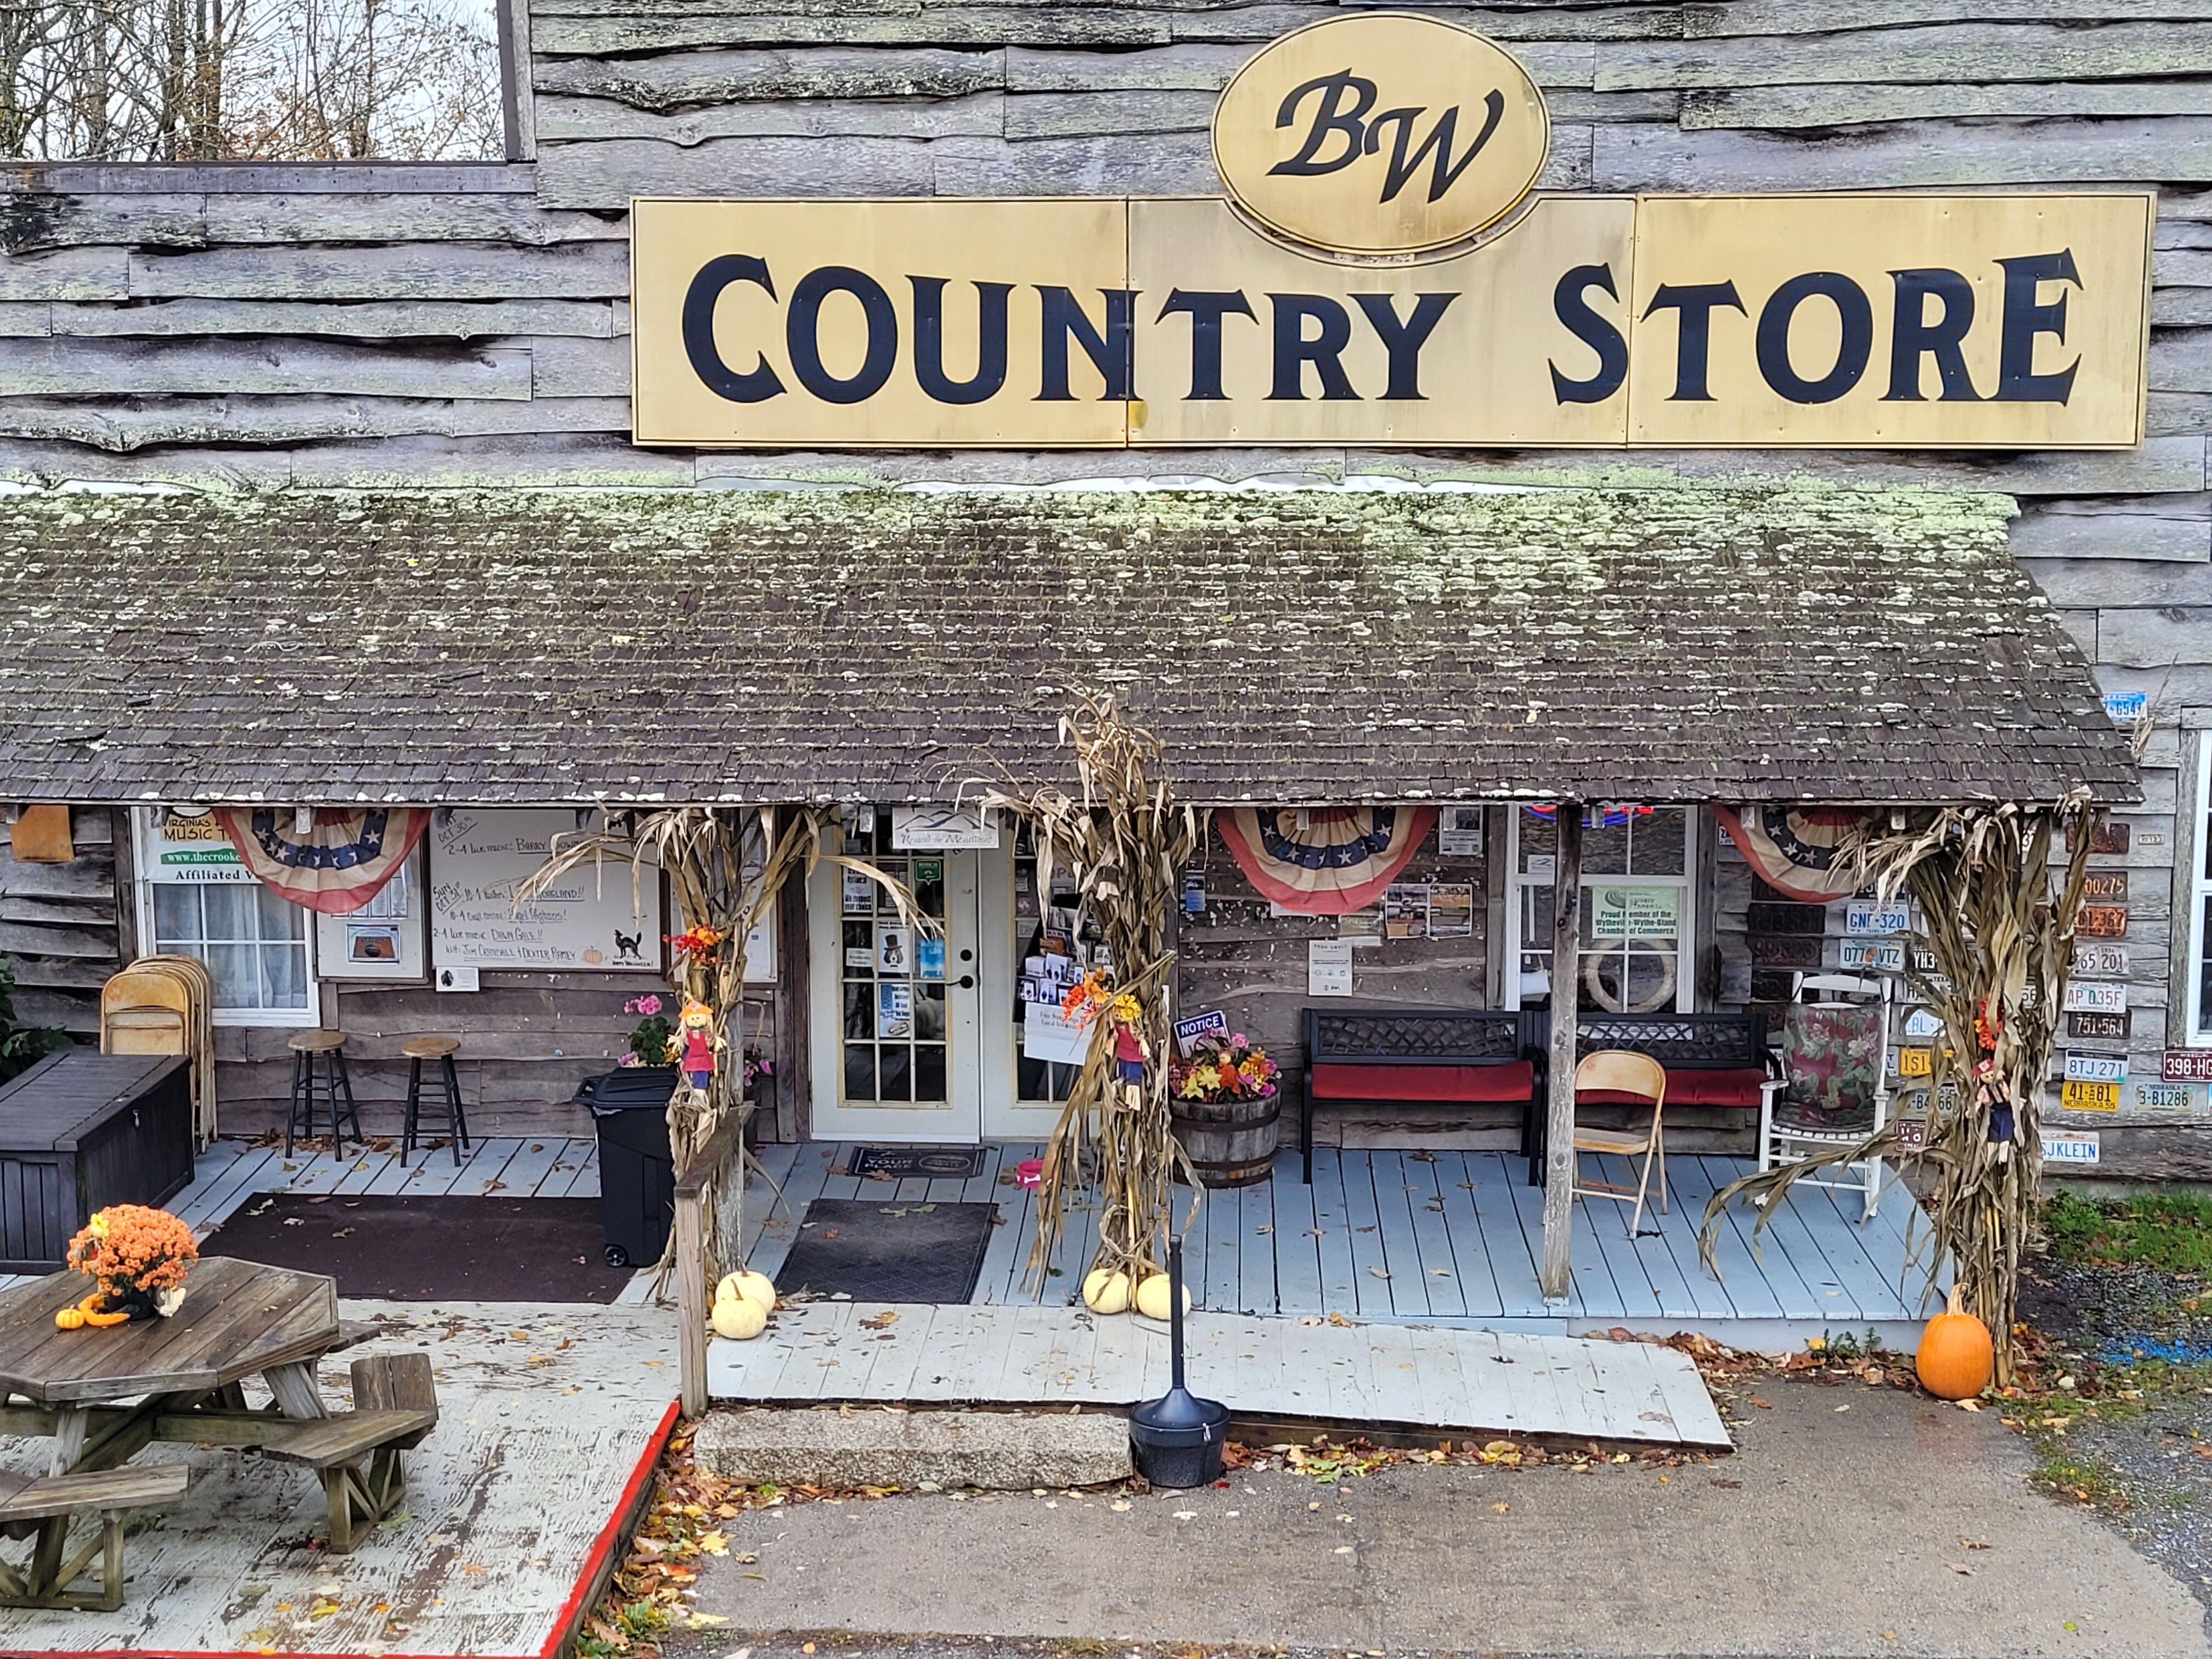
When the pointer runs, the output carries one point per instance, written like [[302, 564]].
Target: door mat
[[879, 1252], [917, 1163], [441, 1248]]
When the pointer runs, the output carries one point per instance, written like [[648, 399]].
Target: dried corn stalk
[[1124, 840], [725, 867], [2001, 936]]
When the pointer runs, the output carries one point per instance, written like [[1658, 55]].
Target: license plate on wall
[[2097, 996], [2090, 1096], [2164, 1096], [2099, 960], [1871, 953], [2096, 1068], [2097, 1027], [1916, 1062], [2101, 921]]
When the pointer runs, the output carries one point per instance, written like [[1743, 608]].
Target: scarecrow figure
[[1131, 1051], [698, 1044]]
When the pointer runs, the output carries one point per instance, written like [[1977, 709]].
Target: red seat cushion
[[1692, 1085], [1511, 1080]]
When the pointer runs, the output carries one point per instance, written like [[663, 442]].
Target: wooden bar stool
[[439, 1049], [335, 1084]]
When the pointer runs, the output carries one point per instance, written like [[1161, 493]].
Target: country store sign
[[1383, 272]]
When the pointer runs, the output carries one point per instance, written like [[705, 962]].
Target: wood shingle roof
[[572, 645]]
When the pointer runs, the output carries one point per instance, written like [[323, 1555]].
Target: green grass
[[2167, 1232]]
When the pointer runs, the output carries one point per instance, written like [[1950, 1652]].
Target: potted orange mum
[[138, 1257]]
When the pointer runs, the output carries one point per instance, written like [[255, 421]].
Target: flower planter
[[1230, 1143]]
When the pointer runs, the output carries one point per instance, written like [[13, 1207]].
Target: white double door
[[913, 1036]]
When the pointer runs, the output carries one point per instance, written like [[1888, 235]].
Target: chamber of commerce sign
[[1381, 273]]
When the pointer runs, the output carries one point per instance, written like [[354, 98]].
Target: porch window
[[2200, 903], [195, 899], [1636, 912]]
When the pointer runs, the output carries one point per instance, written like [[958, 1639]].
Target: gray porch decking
[[1445, 1237]]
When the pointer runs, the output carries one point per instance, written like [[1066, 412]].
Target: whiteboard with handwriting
[[587, 921]]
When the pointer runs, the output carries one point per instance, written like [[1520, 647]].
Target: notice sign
[[1049, 1035], [1328, 968], [1188, 1033], [1635, 912]]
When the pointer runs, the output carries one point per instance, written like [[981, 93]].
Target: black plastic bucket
[[1180, 1455], [1178, 1440]]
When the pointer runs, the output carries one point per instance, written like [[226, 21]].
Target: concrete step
[[870, 1446]]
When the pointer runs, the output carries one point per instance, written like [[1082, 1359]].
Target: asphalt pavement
[[1852, 1520]]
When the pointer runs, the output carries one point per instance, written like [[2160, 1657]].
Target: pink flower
[[627, 1059], [648, 1005], [1238, 1040]]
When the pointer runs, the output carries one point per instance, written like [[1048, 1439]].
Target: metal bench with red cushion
[[1425, 1056], [1710, 1059]]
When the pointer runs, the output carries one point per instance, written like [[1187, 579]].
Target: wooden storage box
[[80, 1131]]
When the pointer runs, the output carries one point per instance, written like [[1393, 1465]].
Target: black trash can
[[637, 1171]]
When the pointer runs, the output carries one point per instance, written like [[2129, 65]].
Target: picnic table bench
[[103, 1395]]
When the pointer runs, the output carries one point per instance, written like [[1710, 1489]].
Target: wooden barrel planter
[[1230, 1143]]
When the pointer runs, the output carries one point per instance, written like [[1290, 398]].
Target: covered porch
[[1435, 1237]]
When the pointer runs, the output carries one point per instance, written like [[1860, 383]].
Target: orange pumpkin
[[1957, 1357]]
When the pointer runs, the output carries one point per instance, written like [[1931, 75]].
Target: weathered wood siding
[[59, 925], [527, 1040], [414, 326]]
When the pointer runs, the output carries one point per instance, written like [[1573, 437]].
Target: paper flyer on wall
[[1451, 909], [1405, 911], [1459, 832]]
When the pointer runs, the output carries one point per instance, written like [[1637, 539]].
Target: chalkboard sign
[[590, 920]]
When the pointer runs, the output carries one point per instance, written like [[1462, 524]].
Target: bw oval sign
[[1386, 133]]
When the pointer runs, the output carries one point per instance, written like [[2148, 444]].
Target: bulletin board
[[594, 919]]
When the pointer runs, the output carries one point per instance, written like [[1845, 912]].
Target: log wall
[[424, 326]]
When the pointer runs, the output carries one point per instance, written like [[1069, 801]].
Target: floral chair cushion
[[1831, 1065]]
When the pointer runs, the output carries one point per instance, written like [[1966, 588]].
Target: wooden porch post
[[1559, 1106]]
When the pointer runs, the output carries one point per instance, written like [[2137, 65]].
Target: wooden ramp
[[1413, 1376]]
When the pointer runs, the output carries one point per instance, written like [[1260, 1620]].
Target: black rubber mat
[[439, 1249], [917, 1163], [879, 1252]]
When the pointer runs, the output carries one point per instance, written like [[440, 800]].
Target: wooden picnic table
[[103, 1394]]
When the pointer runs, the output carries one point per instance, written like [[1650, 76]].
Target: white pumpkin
[[756, 1287], [739, 1318], [1152, 1296], [1106, 1292]]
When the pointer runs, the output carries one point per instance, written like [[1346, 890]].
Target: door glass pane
[[893, 974]]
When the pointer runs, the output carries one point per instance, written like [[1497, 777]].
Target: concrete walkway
[[1836, 1530]]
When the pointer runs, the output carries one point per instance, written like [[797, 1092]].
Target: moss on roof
[[585, 644]]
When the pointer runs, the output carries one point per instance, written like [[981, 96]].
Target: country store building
[[1732, 405]]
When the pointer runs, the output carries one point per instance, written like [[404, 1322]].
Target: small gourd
[[68, 1319], [739, 1317], [1106, 1291], [1152, 1300], [1957, 1356]]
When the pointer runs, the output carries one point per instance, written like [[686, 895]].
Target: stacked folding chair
[[164, 1005]]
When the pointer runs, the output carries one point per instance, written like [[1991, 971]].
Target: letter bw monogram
[[1341, 102]]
